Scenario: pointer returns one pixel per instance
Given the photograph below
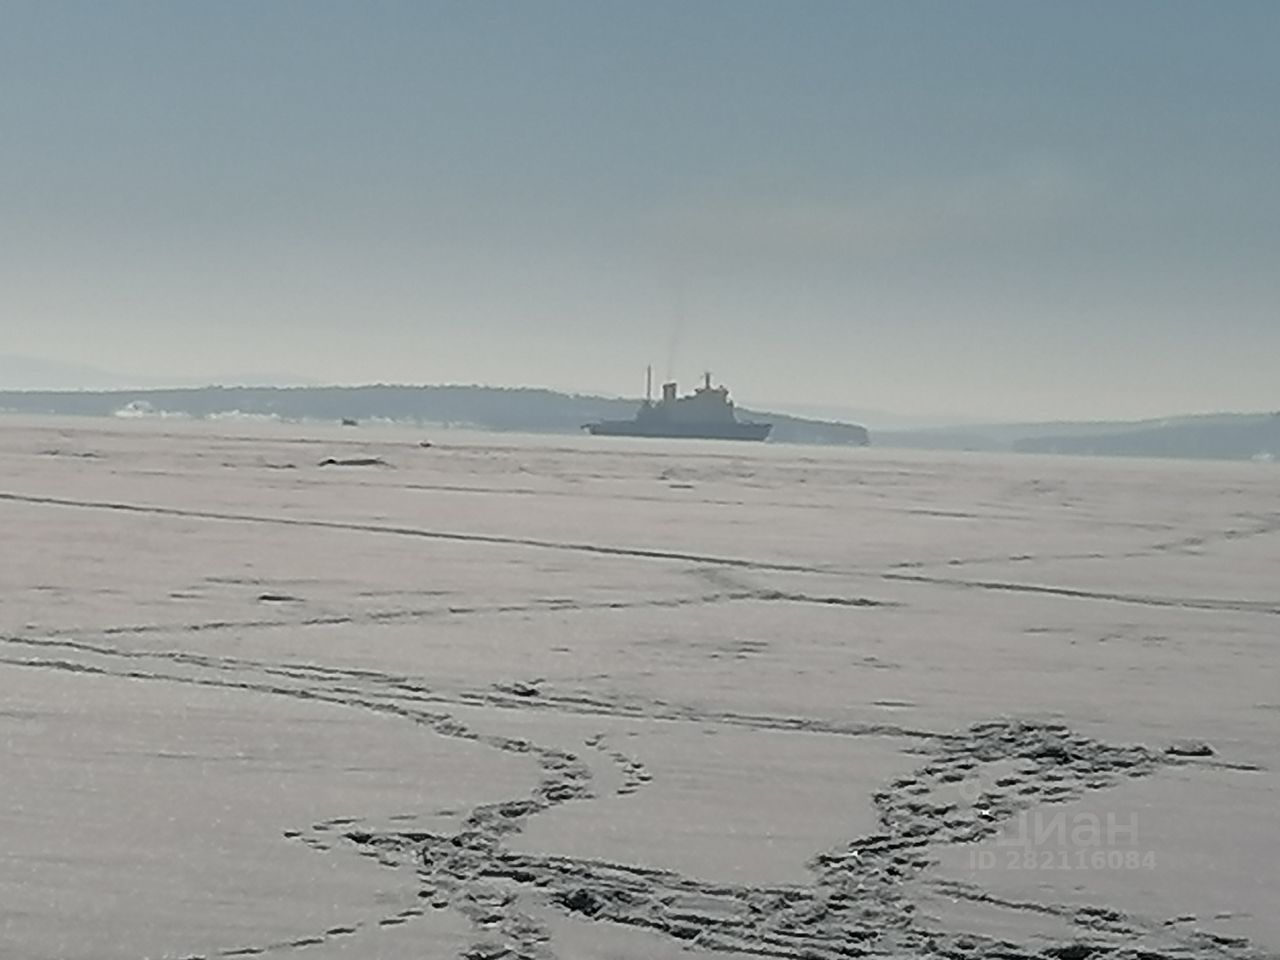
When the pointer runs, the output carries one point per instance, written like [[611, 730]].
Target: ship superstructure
[[707, 413]]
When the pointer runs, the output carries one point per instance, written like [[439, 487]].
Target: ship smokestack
[[669, 393]]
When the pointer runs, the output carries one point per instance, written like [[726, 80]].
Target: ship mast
[[648, 384]]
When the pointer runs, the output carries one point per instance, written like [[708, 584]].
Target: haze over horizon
[[992, 210]]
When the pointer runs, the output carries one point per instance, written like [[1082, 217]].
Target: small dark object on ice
[[487, 951], [1189, 748], [1072, 951], [521, 688], [354, 462], [277, 598], [349, 422], [425, 444], [582, 900]]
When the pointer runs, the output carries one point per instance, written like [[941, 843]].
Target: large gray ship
[[705, 414]]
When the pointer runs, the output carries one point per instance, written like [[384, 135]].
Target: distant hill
[[1224, 436], [33, 373], [874, 420], [30, 373], [486, 408]]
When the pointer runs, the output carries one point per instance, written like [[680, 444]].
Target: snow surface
[[588, 697]]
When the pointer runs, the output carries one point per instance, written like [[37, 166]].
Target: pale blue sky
[[1015, 209]]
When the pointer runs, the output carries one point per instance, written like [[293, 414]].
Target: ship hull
[[681, 431]]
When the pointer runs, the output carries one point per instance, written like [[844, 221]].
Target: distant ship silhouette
[[705, 414]]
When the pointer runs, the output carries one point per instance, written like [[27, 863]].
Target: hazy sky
[[1015, 209]]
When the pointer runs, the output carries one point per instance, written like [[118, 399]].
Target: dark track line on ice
[[1185, 545], [1260, 529], [482, 538], [376, 618], [393, 689], [397, 616], [1182, 603], [611, 496], [390, 692]]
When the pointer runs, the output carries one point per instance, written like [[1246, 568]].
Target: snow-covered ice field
[[586, 698]]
